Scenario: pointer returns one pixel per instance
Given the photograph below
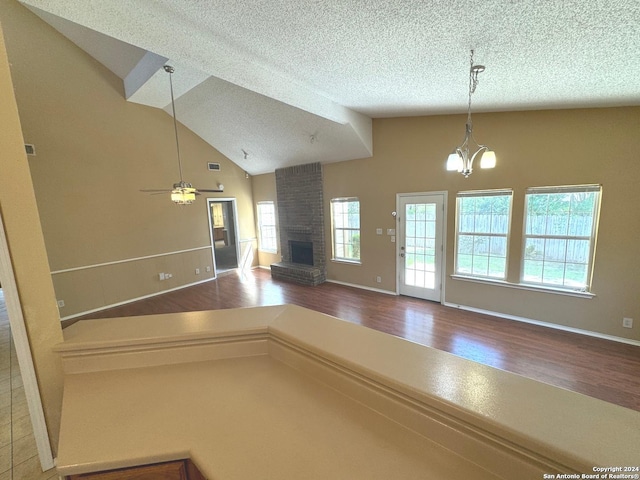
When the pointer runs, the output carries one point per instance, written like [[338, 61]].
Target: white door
[[420, 245]]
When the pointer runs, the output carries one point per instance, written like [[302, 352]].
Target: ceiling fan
[[182, 193]]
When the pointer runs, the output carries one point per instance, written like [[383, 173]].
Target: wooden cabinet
[[218, 233], [216, 215], [178, 470]]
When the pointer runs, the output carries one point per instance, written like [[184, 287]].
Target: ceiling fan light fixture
[[182, 198], [183, 193]]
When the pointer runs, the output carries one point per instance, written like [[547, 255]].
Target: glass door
[[420, 245]]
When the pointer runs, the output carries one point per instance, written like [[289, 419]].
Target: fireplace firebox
[[301, 252]]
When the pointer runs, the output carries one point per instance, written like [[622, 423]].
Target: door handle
[[402, 255]]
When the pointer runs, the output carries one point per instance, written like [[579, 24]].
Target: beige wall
[[95, 151], [28, 256], [264, 189], [536, 148]]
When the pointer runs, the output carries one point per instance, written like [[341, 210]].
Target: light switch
[[391, 231], [378, 231]]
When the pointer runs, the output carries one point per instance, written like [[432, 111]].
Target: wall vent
[[213, 166], [30, 149]]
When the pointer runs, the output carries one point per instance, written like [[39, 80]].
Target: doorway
[[223, 223], [420, 244]]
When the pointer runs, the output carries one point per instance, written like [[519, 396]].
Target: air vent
[[30, 149], [213, 166]]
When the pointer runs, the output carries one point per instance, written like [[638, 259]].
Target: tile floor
[[18, 453]]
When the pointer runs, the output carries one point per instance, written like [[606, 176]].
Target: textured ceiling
[[265, 76]]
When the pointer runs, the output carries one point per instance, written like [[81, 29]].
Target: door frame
[[23, 352], [443, 274], [234, 206]]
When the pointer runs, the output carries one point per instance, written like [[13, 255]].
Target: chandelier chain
[[473, 83]]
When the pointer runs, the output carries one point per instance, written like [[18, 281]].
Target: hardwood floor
[[599, 368]]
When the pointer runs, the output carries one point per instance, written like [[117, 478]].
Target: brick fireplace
[[301, 220]]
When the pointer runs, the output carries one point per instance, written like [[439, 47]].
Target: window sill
[[522, 286], [348, 262]]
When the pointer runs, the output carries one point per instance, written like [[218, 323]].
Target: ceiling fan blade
[[156, 191], [208, 191]]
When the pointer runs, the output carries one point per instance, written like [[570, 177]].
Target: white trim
[[593, 238], [591, 187], [234, 206], [485, 193], [266, 267], [112, 305], [272, 204], [126, 260], [458, 225], [445, 220], [362, 287], [522, 286], [23, 352], [555, 326], [346, 261]]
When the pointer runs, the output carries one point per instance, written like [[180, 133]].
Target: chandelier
[[462, 158]]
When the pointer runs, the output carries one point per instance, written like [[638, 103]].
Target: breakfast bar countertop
[[252, 393]]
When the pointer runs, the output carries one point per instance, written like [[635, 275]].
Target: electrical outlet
[[60, 303], [168, 275], [378, 231], [197, 271], [208, 268], [627, 322], [378, 279]]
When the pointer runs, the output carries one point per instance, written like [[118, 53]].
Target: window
[[560, 236], [345, 220], [482, 233], [267, 227]]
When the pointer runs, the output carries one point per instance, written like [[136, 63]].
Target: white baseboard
[[155, 294], [362, 287], [580, 331]]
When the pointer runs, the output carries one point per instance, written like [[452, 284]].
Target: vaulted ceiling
[[273, 83]]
